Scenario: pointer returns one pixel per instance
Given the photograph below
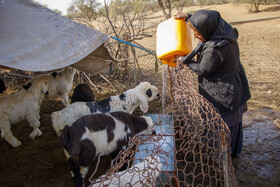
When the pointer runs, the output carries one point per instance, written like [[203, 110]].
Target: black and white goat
[[60, 83], [103, 133], [82, 92], [142, 174], [21, 105], [128, 101]]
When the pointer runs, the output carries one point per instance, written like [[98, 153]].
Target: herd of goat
[[86, 128]]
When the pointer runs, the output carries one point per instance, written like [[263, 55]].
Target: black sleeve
[[210, 61]]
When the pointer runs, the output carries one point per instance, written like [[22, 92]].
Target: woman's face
[[196, 34]]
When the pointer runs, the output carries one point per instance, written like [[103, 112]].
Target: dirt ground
[[259, 46], [41, 162]]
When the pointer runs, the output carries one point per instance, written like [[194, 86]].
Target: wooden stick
[[44, 162], [107, 81], [89, 80], [225, 163]]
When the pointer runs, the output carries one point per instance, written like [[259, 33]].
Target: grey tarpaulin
[[34, 38]]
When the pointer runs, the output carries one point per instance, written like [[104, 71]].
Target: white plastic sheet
[[34, 38]]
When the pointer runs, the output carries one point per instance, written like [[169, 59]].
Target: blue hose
[[132, 45]]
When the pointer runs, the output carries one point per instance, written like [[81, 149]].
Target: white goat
[[60, 83], [128, 101], [94, 134], [142, 174], [24, 104]]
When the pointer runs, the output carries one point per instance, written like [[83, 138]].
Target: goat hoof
[[16, 143], [35, 133]]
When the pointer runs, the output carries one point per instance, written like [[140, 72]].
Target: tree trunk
[[257, 7], [160, 3], [168, 5]]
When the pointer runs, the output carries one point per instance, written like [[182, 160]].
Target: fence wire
[[194, 149], [134, 64]]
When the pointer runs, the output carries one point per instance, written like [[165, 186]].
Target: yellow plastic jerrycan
[[173, 38]]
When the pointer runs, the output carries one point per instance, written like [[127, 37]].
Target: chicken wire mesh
[[191, 146], [192, 149], [134, 64]]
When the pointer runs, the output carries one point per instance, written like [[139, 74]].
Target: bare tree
[[165, 4], [256, 4], [126, 20], [57, 11], [83, 10]]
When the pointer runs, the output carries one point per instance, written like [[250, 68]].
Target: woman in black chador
[[221, 76]]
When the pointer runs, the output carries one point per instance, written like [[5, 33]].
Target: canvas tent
[[34, 38]]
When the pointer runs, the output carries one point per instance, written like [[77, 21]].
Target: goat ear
[[64, 136], [27, 86], [144, 106]]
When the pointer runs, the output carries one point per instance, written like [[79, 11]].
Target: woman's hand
[[179, 61], [181, 15]]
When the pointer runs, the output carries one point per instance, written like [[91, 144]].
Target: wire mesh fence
[[135, 64], [191, 145], [190, 148]]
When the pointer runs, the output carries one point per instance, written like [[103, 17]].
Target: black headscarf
[[213, 27]]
